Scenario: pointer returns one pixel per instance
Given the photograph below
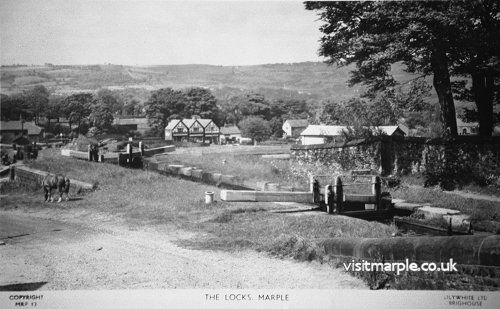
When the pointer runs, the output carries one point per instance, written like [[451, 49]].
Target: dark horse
[[59, 182]]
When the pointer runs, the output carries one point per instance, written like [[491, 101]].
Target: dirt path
[[83, 250]]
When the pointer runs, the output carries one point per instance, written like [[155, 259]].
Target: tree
[[101, 116], [38, 100], [433, 37], [239, 107], [163, 105], [255, 128], [109, 99], [201, 102], [77, 108]]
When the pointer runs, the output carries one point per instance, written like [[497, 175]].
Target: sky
[[157, 32]]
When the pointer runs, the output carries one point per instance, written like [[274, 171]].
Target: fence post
[[311, 181], [339, 194], [329, 199], [376, 190], [90, 152], [12, 173]]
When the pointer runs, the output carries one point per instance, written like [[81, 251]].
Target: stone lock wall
[[471, 158]]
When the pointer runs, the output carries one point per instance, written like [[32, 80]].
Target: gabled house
[[293, 127], [211, 130], [176, 130], [193, 130]]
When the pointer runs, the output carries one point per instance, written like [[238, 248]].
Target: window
[[196, 130], [179, 130]]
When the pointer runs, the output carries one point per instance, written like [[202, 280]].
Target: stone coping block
[[435, 212], [370, 199], [265, 196], [185, 171], [196, 173], [174, 168], [159, 150], [481, 250]]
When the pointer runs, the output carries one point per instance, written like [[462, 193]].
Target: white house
[[321, 134], [467, 128], [293, 127]]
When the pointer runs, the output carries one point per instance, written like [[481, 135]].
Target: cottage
[[293, 127], [9, 130], [321, 134], [231, 133]]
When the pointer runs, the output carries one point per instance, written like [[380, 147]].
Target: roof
[[389, 130], [189, 122], [31, 127], [230, 130], [127, 121], [323, 130], [204, 122], [172, 124], [298, 123]]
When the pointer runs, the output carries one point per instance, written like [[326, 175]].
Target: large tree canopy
[[432, 37], [163, 105], [201, 102]]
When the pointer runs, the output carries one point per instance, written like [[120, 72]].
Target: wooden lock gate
[[336, 201]]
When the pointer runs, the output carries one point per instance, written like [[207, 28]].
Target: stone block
[[435, 212], [174, 168], [227, 179], [196, 173], [263, 196], [185, 171]]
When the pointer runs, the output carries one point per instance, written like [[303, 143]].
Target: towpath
[[78, 249]]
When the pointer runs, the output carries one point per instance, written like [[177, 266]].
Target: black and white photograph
[[249, 154]]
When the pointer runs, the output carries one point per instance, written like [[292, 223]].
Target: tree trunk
[[442, 84], [483, 91]]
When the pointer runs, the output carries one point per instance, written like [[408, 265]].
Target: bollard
[[339, 194], [316, 198], [209, 197], [329, 199], [12, 173], [129, 151], [141, 147], [90, 152], [376, 190]]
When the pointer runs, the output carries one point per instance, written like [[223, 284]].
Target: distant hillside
[[311, 79], [308, 80]]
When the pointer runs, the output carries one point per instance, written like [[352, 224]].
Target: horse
[[59, 182]]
